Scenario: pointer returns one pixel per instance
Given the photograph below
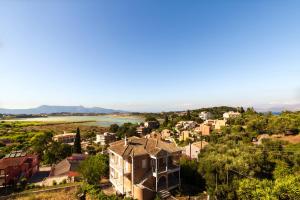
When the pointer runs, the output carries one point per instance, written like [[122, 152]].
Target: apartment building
[[142, 167], [67, 138], [105, 138]]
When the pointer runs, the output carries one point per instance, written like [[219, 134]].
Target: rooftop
[[143, 146]]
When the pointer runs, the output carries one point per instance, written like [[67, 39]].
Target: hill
[[45, 109]]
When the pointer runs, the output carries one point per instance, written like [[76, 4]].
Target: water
[[101, 120]]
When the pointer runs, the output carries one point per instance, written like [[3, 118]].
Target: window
[[144, 163]]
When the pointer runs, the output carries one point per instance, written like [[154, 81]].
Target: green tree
[[255, 189], [150, 118], [77, 142], [166, 121], [188, 115], [113, 128], [40, 142], [93, 168], [287, 188]]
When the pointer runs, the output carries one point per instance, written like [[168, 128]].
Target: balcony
[[164, 165]]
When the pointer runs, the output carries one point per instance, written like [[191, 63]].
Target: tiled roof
[[68, 165], [143, 146], [15, 158]]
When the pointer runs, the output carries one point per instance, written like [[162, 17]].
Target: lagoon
[[100, 120]]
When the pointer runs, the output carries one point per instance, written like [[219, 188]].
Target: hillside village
[[220, 152]]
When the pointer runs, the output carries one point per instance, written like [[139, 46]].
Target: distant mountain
[[278, 108], [45, 109]]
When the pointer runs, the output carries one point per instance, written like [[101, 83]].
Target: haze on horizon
[[149, 55]]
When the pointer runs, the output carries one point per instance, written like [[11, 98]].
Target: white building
[[230, 114], [205, 115], [105, 138]]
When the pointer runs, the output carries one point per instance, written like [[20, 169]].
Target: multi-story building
[[105, 138], [17, 165], [67, 138], [142, 167]]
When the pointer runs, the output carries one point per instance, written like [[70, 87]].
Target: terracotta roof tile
[[142, 146]]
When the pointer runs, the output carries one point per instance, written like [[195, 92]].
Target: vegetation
[[93, 168], [77, 142], [95, 193], [127, 129]]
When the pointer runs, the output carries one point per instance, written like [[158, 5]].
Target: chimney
[[125, 144]]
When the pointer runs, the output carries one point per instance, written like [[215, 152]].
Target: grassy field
[[61, 195]]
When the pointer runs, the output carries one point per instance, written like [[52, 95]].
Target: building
[[66, 169], [215, 124], [17, 165], [205, 115], [67, 138], [151, 124], [192, 150], [230, 114], [142, 131], [186, 125], [141, 167], [203, 129], [219, 124], [184, 135], [105, 138]]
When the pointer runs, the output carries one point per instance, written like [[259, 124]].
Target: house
[[203, 129], [142, 131], [215, 124], [151, 124], [192, 150], [67, 138], [205, 115], [185, 125], [219, 124], [66, 169], [141, 167], [184, 135], [17, 165], [105, 138], [163, 135], [230, 114]]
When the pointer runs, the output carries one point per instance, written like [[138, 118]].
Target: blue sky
[[148, 55]]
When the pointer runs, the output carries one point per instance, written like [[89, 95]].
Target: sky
[[149, 55]]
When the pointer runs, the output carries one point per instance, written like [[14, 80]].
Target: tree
[[93, 168], [188, 115], [77, 142], [255, 189], [287, 188], [56, 152], [40, 142], [150, 118], [113, 128], [166, 121]]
